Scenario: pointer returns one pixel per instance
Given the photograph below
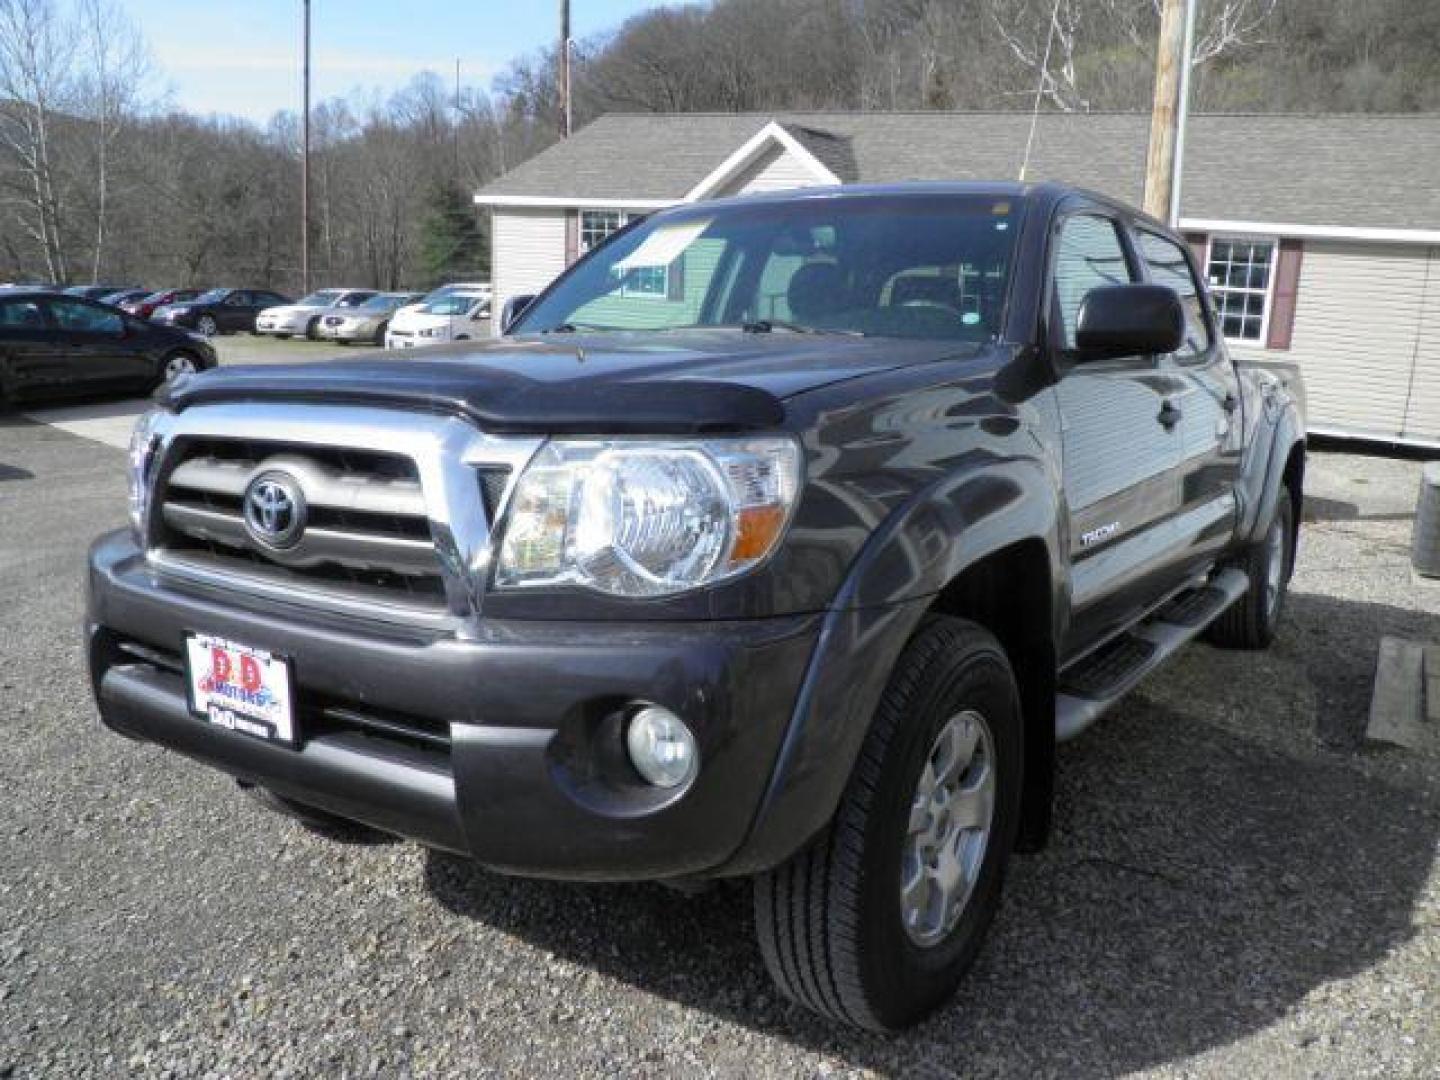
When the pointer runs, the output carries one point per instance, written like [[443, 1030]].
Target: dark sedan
[[220, 311], [146, 306], [54, 346]]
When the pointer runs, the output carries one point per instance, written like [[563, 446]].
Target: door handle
[[1169, 416]]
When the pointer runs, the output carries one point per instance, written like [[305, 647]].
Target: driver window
[[73, 315], [22, 315], [238, 299], [1087, 256]]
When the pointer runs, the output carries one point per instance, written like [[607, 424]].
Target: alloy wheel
[[951, 814]]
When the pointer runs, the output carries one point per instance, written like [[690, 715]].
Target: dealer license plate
[[241, 688]]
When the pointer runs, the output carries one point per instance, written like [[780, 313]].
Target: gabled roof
[[1354, 170]]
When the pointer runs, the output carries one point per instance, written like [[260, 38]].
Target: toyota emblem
[[274, 510]]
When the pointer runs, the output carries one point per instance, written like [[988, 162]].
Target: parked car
[[96, 292], [146, 306], [304, 315], [481, 288], [219, 311], [52, 345], [368, 322], [121, 298], [781, 537], [461, 315]]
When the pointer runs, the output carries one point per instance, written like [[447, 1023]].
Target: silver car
[[368, 322], [303, 316]]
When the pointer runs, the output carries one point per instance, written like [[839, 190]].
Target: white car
[[303, 316], [462, 315]]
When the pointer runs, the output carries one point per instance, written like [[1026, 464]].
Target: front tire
[[380, 334], [875, 923], [312, 329], [177, 364], [1250, 622]]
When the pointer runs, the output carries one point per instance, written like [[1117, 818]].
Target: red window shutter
[[1197, 242], [1287, 289], [572, 236]]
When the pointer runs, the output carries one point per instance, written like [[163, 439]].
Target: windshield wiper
[[766, 326], [573, 328]]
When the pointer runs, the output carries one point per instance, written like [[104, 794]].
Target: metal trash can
[[1425, 538]]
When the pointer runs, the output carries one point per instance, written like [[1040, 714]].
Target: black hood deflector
[[681, 407]]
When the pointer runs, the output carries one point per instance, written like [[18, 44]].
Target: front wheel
[[207, 326], [875, 923], [380, 334], [177, 364], [312, 329]]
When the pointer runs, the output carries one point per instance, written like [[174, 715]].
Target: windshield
[[910, 266], [214, 296], [383, 302], [323, 298], [455, 304]]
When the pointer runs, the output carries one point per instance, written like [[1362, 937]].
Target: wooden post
[[564, 69], [305, 163], [1169, 60]]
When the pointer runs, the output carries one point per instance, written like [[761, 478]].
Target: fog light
[[662, 748]]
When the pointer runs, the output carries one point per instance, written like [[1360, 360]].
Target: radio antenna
[[1039, 89]]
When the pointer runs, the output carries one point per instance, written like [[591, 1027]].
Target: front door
[[1206, 412], [31, 355], [97, 349], [1121, 455]]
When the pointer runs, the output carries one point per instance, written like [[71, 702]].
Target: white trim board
[[1316, 232], [750, 150], [566, 202]]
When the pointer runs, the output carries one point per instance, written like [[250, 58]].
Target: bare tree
[[36, 78], [113, 66]]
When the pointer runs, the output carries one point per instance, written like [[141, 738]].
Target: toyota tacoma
[[781, 537]]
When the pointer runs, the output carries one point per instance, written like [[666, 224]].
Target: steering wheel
[[921, 302]]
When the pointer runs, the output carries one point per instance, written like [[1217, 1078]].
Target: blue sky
[[242, 56]]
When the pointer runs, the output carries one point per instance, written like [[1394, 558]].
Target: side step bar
[[1101, 679]]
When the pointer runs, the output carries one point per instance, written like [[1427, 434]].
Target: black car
[[781, 537], [220, 311], [98, 292], [54, 345]]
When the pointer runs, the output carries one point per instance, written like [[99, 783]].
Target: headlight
[[644, 518], [140, 464]]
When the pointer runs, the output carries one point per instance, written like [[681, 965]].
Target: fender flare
[[888, 590], [1277, 433]]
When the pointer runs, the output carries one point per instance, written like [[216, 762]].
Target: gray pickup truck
[[781, 538]]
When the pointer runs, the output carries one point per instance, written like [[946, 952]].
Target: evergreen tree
[[453, 246]]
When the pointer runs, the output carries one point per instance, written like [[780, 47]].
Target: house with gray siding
[[1319, 235]]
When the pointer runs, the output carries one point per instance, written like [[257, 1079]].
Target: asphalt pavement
[[1238, 885]]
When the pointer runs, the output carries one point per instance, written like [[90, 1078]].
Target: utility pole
[[1172, 83], [564, 69], [305, 162]]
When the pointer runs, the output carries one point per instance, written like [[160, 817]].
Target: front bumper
[[280, 326], [530, 777], [346, 333]]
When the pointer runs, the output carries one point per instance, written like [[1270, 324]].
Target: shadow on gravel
[[1198, 886], [1320, 509]]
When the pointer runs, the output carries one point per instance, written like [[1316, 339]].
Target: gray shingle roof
[[1376, 171]]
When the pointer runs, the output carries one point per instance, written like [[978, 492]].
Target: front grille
[[366, 532]]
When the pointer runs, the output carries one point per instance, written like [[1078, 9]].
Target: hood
[[300, 309], [599, 384]]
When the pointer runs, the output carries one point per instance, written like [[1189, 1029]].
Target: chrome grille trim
[[448, 455]]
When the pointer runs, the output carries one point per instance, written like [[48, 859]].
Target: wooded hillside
[[99, 181]]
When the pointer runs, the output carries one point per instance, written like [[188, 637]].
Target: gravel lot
[[1237, 884]]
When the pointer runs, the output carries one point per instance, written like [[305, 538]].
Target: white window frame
[[1262, 342], [643, 294], [622, 218]]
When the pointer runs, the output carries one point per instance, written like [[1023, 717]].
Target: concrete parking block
[[1397, 707]]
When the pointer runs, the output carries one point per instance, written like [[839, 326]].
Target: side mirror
[[514, 307], [1128, 320]]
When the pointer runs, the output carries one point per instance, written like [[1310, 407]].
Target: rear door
[[1121, 459], [237, 311], [1206, 410]]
